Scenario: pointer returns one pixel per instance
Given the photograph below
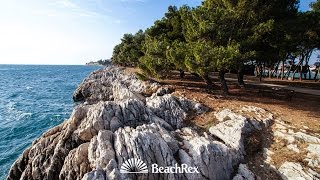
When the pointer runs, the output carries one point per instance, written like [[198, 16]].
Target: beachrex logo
[[135, 165]]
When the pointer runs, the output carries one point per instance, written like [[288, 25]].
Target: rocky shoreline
[[119, 117]]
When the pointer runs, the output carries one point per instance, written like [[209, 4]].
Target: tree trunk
[[293, 74], [315, 76], [260, 73], [301, 69], [275, 71], [288, 73], [209, 82], [309, 71], [269, 72], [282, 70], [240, 76], [181, 73], [296, 68], [224, 86], [256, 71]]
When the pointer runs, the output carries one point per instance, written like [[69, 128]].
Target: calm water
[[33, 99]]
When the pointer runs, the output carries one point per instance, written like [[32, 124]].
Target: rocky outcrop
[[116, 122], [109, 83], [290, 170]]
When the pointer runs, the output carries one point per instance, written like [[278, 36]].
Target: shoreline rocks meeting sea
[[118, 117]]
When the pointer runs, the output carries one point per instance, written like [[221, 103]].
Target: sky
[[75, 31]]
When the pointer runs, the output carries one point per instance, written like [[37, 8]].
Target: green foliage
[[129, 51], [315, 5], [154, 61], [159, 44], [220, 35]]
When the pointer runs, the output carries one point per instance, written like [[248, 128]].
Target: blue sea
[[33, 98]]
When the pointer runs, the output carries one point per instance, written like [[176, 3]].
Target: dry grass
[[283, 154]]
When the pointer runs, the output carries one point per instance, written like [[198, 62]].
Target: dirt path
[[296, 89]]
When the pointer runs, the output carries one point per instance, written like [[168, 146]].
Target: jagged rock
[[146, 143], [116, 123], [244, 173], [76, 164], [189, 105], [98, 174], [102, 84], [111, 115], [101, 149], [307, 138], [121, 92], [234, 127], [168, 108], [214, 159], [231, 132], [294, 171], [154, 144], [313, 156], [172, 109]]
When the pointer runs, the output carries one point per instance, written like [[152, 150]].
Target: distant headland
[[100, 62]]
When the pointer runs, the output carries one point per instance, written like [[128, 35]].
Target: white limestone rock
[[313, 156], [225, 114], [214, 159], [101, 149], [168, 108], [307, 138], [98, 174], [76, 163], [294, 171], [110, 116], [231, 131], [122, 92], [109, 83]]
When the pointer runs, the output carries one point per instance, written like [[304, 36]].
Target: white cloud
[[66, 8]]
